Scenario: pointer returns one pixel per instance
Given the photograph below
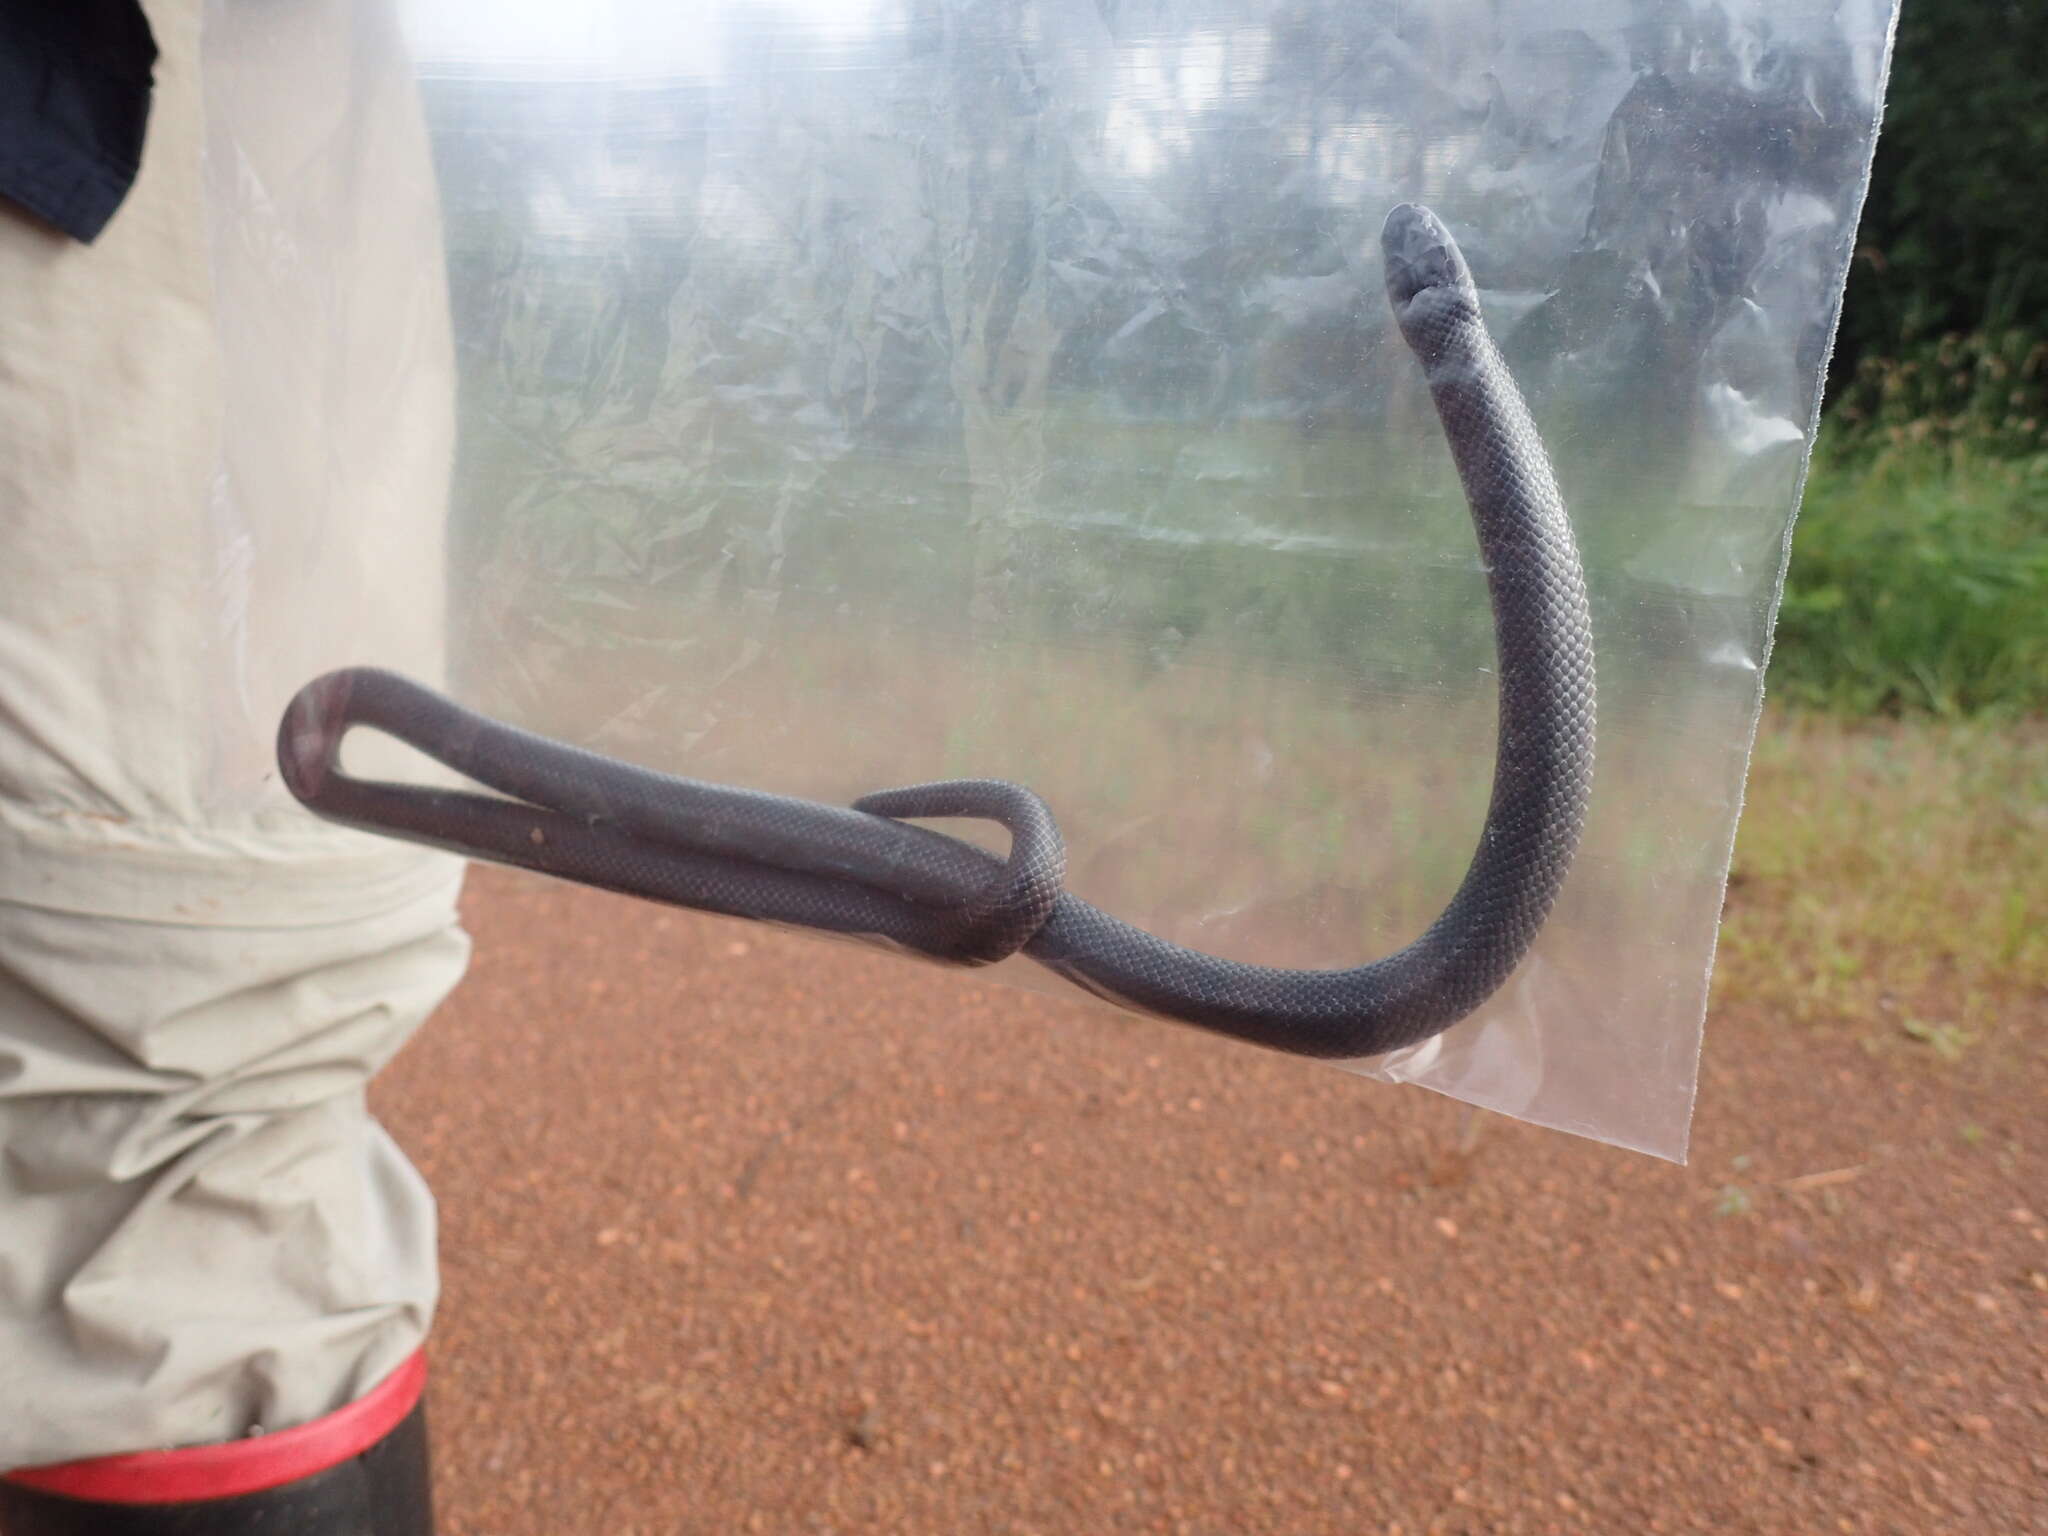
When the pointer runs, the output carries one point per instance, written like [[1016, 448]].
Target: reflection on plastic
[[859, 870], [860, 393]]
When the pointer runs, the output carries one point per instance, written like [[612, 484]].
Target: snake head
[[1426, 272]]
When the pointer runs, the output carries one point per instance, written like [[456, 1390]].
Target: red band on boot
[[238, 1466]]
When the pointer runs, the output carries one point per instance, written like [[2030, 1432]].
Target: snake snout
[[1420, 255]]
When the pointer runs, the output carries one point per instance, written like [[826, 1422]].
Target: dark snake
[[863, 870]]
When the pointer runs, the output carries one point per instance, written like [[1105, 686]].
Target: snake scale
[[865, 870]]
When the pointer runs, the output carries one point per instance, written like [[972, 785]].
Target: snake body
[[864, 870]]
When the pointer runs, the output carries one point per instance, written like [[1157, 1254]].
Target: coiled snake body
[[862, 870]]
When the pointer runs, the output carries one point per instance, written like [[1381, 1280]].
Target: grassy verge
[[1888, 876], [1919, 582]]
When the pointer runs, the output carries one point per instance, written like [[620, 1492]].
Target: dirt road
[[743, 1232]]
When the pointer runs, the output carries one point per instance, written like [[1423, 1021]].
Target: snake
[[868, 870]]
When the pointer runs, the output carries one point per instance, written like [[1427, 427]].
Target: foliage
[[1952, 240], [1919, 577], [1986, 392], [1919, 580]]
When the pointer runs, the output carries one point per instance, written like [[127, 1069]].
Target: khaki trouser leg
[[225, 434]]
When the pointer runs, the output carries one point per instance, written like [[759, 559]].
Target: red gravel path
[[744, 1232]]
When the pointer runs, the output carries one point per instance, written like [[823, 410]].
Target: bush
[[1919, 576], [1986, 393], [1952, 238]]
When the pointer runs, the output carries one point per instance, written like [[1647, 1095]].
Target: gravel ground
[[746, 1232]]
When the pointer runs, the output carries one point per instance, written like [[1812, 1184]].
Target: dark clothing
[[74, 101]]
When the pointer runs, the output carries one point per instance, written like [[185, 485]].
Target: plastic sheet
[[856, 392]]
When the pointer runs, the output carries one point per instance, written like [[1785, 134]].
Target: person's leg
[[224, 440]]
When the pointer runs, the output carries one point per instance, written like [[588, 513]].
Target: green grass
[[1919, 581], [1889, 876]]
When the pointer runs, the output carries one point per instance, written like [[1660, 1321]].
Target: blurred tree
[[1953, 237]]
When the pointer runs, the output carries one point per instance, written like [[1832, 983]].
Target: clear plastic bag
[[859, 393]]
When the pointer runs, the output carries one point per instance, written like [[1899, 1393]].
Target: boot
[[361, 1471]]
